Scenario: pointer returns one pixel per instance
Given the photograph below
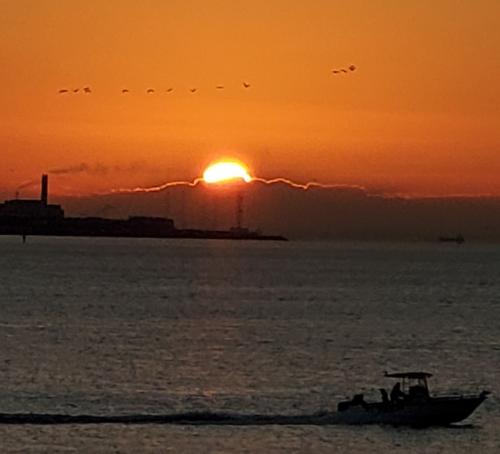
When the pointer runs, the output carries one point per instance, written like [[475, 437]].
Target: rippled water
[[118, 326]]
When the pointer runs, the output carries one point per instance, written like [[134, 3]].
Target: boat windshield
[[410, 384]]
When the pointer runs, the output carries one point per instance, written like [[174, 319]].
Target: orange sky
[[420, 115]]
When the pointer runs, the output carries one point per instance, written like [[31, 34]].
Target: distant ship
[[459, 239]]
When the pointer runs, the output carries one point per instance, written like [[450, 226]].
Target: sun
[[226, 171]]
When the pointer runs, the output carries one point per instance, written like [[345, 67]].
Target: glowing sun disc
[[225, 171]]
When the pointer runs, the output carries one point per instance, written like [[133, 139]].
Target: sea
[[101, 326]]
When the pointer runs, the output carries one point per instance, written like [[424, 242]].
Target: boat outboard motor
[[358, 399], [344, 405]]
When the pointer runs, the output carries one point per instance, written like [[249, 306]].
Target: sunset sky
[[419, 116]]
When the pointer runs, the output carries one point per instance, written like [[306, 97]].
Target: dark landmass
[[28, 217], [339, 213], [133, 227]]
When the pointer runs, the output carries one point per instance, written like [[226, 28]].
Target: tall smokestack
[[45, 189]]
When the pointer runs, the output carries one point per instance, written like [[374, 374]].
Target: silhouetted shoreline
[[135, 227], [28, 217]]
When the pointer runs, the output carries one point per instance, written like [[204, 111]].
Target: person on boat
[[359, 399], [396, 393], [385, 396]]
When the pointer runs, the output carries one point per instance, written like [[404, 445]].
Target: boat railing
[[460, 396]]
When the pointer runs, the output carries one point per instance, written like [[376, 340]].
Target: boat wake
[[190, 418]]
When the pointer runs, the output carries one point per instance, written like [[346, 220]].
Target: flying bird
[[352, 68], [219, 87], [246, 85], [192, 90], [343, 71], [170, 90], [125, 90], [150, 91], [76, 90], [87, 90], [335, 71], [63, 90]]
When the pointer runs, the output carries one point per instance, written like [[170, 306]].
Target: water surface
[[118, 326]]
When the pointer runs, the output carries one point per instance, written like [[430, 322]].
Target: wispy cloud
[[96, 169]]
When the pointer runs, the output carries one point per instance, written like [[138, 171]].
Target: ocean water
[[122, 326]]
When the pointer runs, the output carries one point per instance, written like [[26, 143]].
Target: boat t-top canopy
[[408, 378], [410, 375]]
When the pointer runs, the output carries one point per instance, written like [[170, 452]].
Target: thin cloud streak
[[27, 184], [272, 181], [308, 185], [94, 169], [158, 188]]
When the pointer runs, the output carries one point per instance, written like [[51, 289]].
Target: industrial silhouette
[[26, 217], [26, 209]]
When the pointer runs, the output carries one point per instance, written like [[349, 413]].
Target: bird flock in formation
[[152, 91], [344, 70], [85, 90], [149, 91]]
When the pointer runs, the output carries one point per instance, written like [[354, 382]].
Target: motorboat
[[409, 404]]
